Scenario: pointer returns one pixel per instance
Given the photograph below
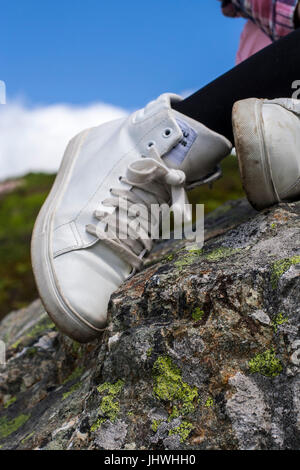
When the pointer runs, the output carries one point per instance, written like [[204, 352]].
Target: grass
[[18, 211]]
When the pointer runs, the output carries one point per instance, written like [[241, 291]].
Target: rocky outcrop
[[202, 351]]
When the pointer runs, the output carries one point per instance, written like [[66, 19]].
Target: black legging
[[267, 74]]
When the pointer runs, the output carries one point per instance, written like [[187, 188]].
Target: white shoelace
[[151, 182]]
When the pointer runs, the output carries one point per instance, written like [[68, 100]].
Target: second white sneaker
[[267, 141], [146, 158]]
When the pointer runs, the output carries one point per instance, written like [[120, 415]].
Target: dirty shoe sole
[[66, 319], [252, 152]]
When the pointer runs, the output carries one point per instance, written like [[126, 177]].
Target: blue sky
[[119, 52], [73, 64]]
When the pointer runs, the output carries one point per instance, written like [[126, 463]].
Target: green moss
[[8, 427], [42, 326], [110, 405], [195, 251], [72, 390], [183, 430], [10, 402], [149, 352], [169, 387], [155, 424], [184, 260], [209, 402], [222, 252], [75, 374], [175, 413], [280, 319], [97, 424], [266, 364], [197, 314], [112, 389], [77, 349], [16, 344], [280, 267], [187, 257], [23, 441]]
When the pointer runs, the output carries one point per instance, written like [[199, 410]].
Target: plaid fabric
[[274, 17]]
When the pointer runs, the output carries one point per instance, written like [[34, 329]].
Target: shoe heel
[[248, 131]]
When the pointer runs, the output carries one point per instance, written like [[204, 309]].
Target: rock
[[202, 350], [249, 413]]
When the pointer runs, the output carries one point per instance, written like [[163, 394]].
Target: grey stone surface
[[201, 352]]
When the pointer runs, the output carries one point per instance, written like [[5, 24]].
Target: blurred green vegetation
[[227, 188], [19, 209]]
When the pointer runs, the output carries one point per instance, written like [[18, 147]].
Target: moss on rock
[[266, 364], [155, 424], [280, 267], [7, 427], [112, 389], [97, 424], [110, 405], [74, 375], [169, 387], [197, 314], [183, 430], [280, 319], [10, 401], [222, 252], [75, 387], [209, 402]]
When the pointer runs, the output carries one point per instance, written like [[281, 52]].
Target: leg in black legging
[[267, 74]]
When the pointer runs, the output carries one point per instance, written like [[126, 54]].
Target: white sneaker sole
[[67, 320], [252, 153]]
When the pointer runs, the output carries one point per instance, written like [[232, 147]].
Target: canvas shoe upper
[[147, 157], [267, 141]]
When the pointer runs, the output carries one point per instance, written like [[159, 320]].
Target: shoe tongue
[[200, 150], [175, 157]]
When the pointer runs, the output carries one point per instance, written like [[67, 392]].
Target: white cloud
[[34, 139]]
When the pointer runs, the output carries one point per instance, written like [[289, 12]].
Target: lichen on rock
[[183, 430], [280, 267], [109, 406], [170, 388], [202, 350], [8, 427], [266, 364]]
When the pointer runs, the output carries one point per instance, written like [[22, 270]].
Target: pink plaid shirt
[[274, 17]]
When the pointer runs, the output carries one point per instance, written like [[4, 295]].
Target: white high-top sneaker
[[145, 158], [267, 141]]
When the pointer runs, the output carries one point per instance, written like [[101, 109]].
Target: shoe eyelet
[[167, 132], [185, 134], [150, 144]]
